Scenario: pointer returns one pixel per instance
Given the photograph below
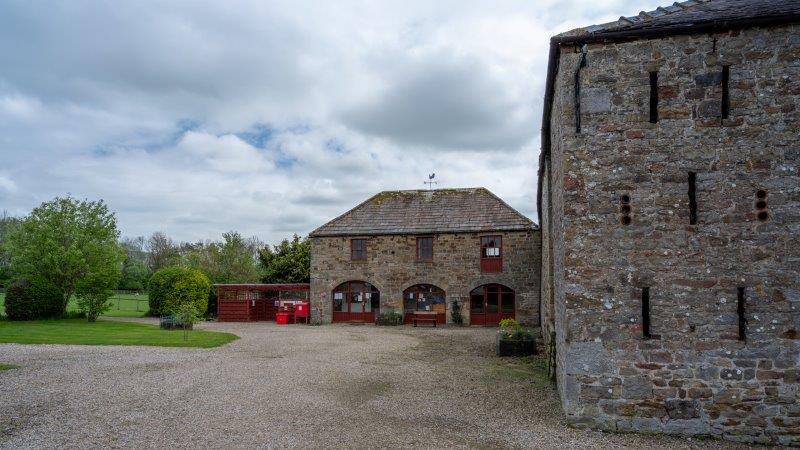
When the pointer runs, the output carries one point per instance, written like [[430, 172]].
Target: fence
[[130, 301]]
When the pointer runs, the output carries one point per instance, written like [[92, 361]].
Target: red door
[[355, 301], [491, 303], [492, 317]]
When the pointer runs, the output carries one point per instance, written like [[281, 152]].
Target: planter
[[524, 346]]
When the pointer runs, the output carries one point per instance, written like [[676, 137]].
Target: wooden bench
[[424, 318]]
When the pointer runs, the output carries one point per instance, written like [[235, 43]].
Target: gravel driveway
[[296, 386]]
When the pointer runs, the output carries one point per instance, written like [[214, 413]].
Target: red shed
[[250, 302]]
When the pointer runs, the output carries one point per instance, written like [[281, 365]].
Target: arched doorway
[[491, 303], [355, 301], [424, 298]]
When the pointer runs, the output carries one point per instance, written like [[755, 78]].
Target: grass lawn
[[104, 332], [122, 305], [7, 367]]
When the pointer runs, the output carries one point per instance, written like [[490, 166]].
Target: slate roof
[[690, 14], [427, 211]]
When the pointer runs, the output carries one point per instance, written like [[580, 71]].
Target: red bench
[[417, 317]]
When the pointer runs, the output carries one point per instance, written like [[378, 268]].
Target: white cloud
[[195, 118], [7, 184]]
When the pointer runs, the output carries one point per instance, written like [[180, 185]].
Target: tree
[[134, 268], [95, 289], [70, 243], [235, 259], [162, 252], [7, 225], [287, 262], [186, 316]]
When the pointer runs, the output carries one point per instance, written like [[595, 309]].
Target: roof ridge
[[643, 16], [432, 190]]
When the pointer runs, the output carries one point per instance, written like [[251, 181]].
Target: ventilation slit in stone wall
[[761, 205], [726, 100], [581, 65], [625, 209], [740, 310], [646, 313], [692, 198], [653, 97]]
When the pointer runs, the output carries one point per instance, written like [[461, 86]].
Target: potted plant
[[514, 340]]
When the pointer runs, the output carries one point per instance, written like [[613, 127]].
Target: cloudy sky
[[270, 118]]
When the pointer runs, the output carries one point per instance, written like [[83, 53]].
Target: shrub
[[455, 313], [390, 317], [171, 287], [33, 298], [511, 329]]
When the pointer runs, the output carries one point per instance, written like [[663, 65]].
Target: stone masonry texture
[[392, 267], [694, 375]]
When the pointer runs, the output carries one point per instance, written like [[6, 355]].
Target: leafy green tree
[[134, 268], [7, 225], [186, 316], [70, 243], [234, 260], [287, 262], [96, 289], [134, 275]]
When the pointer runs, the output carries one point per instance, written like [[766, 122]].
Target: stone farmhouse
[[420, 250], [669, 202]]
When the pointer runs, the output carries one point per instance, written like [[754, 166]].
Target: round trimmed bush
[[32, 298], [171, 287]]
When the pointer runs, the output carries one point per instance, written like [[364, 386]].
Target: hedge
[[32, 298], [173, 286]]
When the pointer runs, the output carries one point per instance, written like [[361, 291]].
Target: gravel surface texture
[[292, 386]]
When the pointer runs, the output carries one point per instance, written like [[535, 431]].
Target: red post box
[[302, 311]]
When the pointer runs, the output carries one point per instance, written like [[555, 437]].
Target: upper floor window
[[358, 249], [425, 248], [491, 254], [490, 246]]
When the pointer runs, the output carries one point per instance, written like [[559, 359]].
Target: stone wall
[[547, 294], [392, 267], [694, 376]]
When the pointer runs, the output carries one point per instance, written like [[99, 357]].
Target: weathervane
[[430, 181]]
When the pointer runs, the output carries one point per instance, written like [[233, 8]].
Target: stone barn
[[415, 252], [669, 202]]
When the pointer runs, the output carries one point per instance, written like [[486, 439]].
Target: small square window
[[358, 249], [425, 248], [491, 254], [490, 246]]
